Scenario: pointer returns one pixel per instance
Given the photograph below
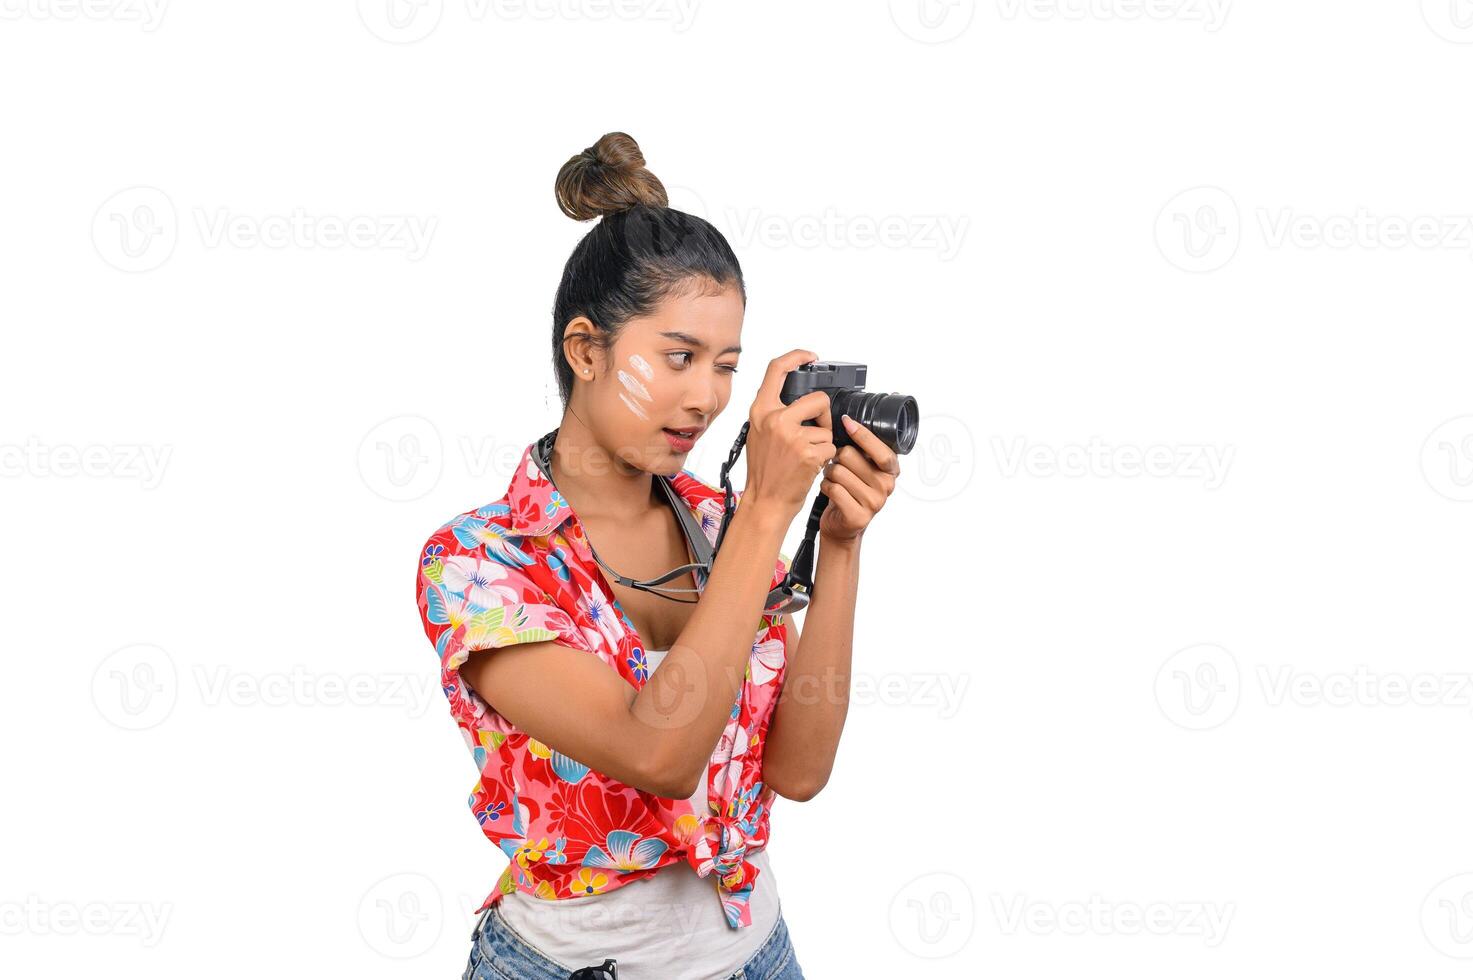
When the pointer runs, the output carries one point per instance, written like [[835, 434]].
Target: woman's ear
[[578, 347]]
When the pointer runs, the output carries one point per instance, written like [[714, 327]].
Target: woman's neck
[[597, 484]]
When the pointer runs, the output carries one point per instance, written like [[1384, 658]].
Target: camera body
[[894, 418]]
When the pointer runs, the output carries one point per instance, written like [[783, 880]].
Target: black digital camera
[[893, 417]]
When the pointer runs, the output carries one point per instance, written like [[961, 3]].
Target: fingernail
[[849, 423]]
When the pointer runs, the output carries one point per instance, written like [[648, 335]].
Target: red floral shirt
[[519, 570]]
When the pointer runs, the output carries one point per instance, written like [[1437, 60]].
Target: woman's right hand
[[784, 456]]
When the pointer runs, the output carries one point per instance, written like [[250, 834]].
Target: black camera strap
[[796, 590], [790, 596]]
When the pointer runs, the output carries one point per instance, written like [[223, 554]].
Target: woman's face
[[668, 371]]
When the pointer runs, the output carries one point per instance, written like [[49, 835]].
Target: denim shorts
[[498, 952]]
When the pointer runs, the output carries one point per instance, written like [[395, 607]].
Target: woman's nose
[[702, 399]]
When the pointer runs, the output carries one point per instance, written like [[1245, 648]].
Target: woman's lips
[[679, 443]]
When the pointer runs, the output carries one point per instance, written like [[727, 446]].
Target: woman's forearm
[[686, 703], [803, 736]]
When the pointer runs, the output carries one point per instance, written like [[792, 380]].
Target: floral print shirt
[[519, 570]]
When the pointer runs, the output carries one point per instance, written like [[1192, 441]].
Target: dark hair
[[641, 252]]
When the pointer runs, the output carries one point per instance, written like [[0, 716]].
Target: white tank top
[[669, 926]]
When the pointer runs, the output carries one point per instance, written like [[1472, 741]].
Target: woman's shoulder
[[489, 543], [469, 531], [530, 508], [484, 582]]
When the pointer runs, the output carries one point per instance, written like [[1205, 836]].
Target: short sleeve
[[468, 602]]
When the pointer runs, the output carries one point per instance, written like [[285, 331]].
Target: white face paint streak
[[631, 383], [642, 366], [629, 403]]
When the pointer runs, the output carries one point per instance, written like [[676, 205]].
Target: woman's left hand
[[857, 484]]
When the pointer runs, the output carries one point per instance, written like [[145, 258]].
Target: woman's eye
[[674, 362]]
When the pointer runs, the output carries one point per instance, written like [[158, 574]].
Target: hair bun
[[607, 177]]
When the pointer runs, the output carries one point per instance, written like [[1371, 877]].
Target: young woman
[[630, 728]]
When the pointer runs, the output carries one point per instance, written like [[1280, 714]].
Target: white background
[[1229, 699]]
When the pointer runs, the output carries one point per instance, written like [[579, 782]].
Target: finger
[[820, 450], [841, 498], [867, 470], [814, 405], [857, 461], [871, 497], [882, 454], [769, 392], [817, 435]]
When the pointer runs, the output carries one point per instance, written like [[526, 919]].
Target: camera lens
[[894, 418]]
